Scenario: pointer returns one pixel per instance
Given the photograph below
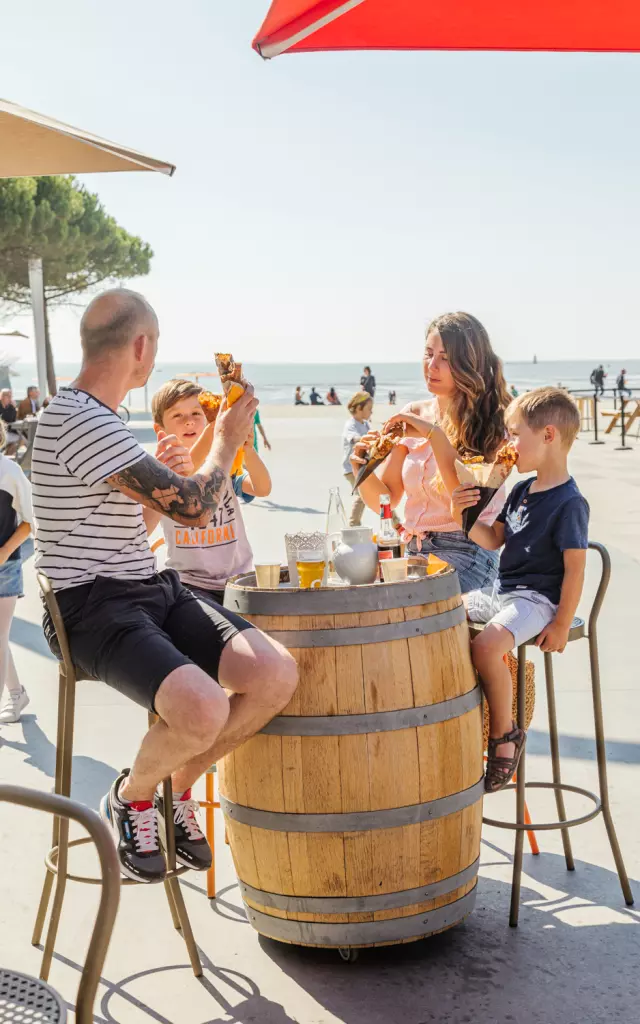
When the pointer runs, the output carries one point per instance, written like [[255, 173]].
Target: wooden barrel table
[[354, 817]]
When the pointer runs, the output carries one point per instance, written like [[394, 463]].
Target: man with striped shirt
[[138, 630]]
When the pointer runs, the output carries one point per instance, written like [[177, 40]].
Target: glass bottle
[[336, 523], [388, 541]]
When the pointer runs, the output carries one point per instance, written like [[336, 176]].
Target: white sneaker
[[13, 706]]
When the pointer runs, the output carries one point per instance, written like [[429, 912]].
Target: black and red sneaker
[[135, 827], [192, 848]]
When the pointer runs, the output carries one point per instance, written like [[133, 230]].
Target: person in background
[[597, 379], [360, 406], [332, 397], [621, 384], [392, 398], [203, 558], [298, 399], [9, 415], [368, 382], [257, 426], [514, 391], [314, 397], [30, 406], [16, 520]]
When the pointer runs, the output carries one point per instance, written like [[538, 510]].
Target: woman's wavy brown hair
[[474, 422]]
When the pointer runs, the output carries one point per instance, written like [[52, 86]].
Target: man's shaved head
[[113, 320]]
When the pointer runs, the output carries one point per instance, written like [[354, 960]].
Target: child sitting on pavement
[[544, 529], [205, 558]]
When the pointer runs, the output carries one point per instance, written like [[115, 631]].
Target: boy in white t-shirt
[[205, 558]]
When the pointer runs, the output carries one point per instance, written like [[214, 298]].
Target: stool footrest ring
[[51, 864], [549, 825]]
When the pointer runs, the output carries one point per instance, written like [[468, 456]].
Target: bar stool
[[578, 631], [56, 861], [23, 998]]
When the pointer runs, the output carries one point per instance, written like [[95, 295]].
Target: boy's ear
[[157, 428], [550, 433]]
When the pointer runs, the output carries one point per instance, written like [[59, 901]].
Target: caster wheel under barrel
[[349, 955]]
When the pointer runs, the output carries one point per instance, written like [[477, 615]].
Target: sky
[[327, 206]]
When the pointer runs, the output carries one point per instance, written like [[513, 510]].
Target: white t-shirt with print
[[207, 557]]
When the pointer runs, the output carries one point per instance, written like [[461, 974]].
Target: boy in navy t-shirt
[[544, 528]]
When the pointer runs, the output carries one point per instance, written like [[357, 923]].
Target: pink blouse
[[427, 508]]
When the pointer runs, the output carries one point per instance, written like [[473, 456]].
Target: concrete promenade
[[575, 955]]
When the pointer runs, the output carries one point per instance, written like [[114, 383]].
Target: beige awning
[[32, 144]]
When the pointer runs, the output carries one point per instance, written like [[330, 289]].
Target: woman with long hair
[[464, 418]]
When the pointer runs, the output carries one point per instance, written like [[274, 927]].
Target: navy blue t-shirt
[[538, 528]]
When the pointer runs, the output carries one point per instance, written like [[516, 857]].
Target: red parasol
[[297, 25]]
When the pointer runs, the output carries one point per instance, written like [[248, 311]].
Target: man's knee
[[193, 705], [281, 675]]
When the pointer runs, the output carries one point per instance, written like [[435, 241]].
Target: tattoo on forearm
[[188, 500]]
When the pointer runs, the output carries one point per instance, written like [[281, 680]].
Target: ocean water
[[275, 383]]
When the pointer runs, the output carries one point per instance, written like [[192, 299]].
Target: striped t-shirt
[[84, 527]]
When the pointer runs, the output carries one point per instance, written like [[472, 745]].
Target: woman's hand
[[464, 496], [422, 426], [174, 455]]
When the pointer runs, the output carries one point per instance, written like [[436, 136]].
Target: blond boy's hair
[[357, 401], [170, 393], [548, 406]]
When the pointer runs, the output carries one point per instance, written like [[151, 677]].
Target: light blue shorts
[[524, 613], [11, 579], [476, 567]]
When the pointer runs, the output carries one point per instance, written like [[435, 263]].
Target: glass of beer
[[311, 564]]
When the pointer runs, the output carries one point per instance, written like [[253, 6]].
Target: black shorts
[[131, 634]]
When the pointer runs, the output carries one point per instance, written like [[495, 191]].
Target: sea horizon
[[275, 383]]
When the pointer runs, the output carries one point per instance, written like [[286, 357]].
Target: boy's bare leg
[[263, 677], [192, 711], [488, 651]]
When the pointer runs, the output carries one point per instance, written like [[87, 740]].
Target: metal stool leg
[[602, 766], [210, 832], [55, 835], [172, 886], [68, 684], [555, 757], [520, 796]]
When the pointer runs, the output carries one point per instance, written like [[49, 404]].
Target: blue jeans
[[11, 578], [476, 567]]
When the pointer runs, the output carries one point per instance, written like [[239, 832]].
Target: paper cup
[[394, 569], [267, 575]]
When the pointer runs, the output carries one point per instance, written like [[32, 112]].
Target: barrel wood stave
[[378, 771]]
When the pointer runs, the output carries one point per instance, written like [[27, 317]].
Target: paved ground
[[575, 954]]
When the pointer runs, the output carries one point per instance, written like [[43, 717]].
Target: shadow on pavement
[[90, 778], [273, 506], [235, 998], [30, 635], [574, 956], [583, 748]]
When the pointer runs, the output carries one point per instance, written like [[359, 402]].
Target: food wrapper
[[378, 452], [488, 477], [233, 383]]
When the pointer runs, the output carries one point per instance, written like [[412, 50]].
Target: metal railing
[[619, 395]]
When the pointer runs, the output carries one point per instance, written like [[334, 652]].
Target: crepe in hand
[[211, 404], [377, 453], [488, 477], [233, 383]]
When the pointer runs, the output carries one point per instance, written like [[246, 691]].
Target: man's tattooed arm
[[191, 501]]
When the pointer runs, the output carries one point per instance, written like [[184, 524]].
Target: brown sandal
[[500, 770]]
